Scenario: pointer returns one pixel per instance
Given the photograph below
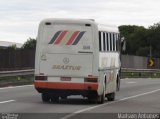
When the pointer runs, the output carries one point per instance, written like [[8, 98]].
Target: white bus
[[77, 57]]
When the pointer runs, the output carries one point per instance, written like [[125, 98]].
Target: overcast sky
[[19, 19]]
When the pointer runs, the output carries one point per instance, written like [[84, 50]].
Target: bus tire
[[45, 97], [111, 96], [91, 100], [118, 84], [63, 97], [101, 98], [55, 98]]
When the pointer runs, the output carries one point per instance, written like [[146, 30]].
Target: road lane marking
[[15, 87], [6, 101], [142, 94], [131, 82], [93, 107]]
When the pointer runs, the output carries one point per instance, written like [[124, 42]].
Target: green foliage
[[154, 37], [29, 44], [139, 39], [143, 51]]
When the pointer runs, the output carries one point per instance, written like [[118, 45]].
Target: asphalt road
[[136, 96]]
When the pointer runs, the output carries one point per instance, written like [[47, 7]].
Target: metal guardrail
[[140, 73], [16, 73], [31, 71], [139, 70]]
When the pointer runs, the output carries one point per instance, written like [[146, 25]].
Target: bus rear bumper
[[66, 88]]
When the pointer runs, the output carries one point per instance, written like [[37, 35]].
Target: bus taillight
[[41, 78], [91, 79]]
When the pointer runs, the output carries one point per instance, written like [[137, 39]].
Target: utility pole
[[150, 51], [151, 61]]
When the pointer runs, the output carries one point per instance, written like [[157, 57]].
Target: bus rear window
[[67, 38]]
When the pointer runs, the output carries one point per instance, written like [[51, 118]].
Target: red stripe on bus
[[69, 86], [60, 37], [70, 41]]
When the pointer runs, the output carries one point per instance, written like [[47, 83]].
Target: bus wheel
[[45, 97], [91, 100], [118, 84], [63, 97], [55, 98], [101, 98], [111, 96]]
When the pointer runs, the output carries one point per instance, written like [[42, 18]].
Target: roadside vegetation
[[140, 40], [16, 80]]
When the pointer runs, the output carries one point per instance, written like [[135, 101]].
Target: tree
[[29, 44], [139, 40], [143, 51], [154, 39], [133, 34]]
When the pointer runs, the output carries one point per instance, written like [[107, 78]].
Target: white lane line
[[131, 82], [93, 107], [15, 87], [6, 101]]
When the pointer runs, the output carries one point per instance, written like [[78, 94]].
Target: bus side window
[[110, 41], [109, 45], [118, 43], [113, 41], [116, 37], [107, 42], [104, 42], [100, 48]]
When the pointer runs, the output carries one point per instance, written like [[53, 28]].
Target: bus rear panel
[[65, 58]]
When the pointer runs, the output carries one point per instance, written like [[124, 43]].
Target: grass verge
[[16, 80], [140, 74]]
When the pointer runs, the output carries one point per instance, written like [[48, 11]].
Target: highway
[[135, 96]]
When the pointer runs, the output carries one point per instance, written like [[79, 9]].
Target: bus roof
[[66, 20], [101, 27], [108, 28]]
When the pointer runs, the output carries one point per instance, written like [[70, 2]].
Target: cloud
[[20, 18]]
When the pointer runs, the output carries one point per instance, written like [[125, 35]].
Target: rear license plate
[[65, 78]]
